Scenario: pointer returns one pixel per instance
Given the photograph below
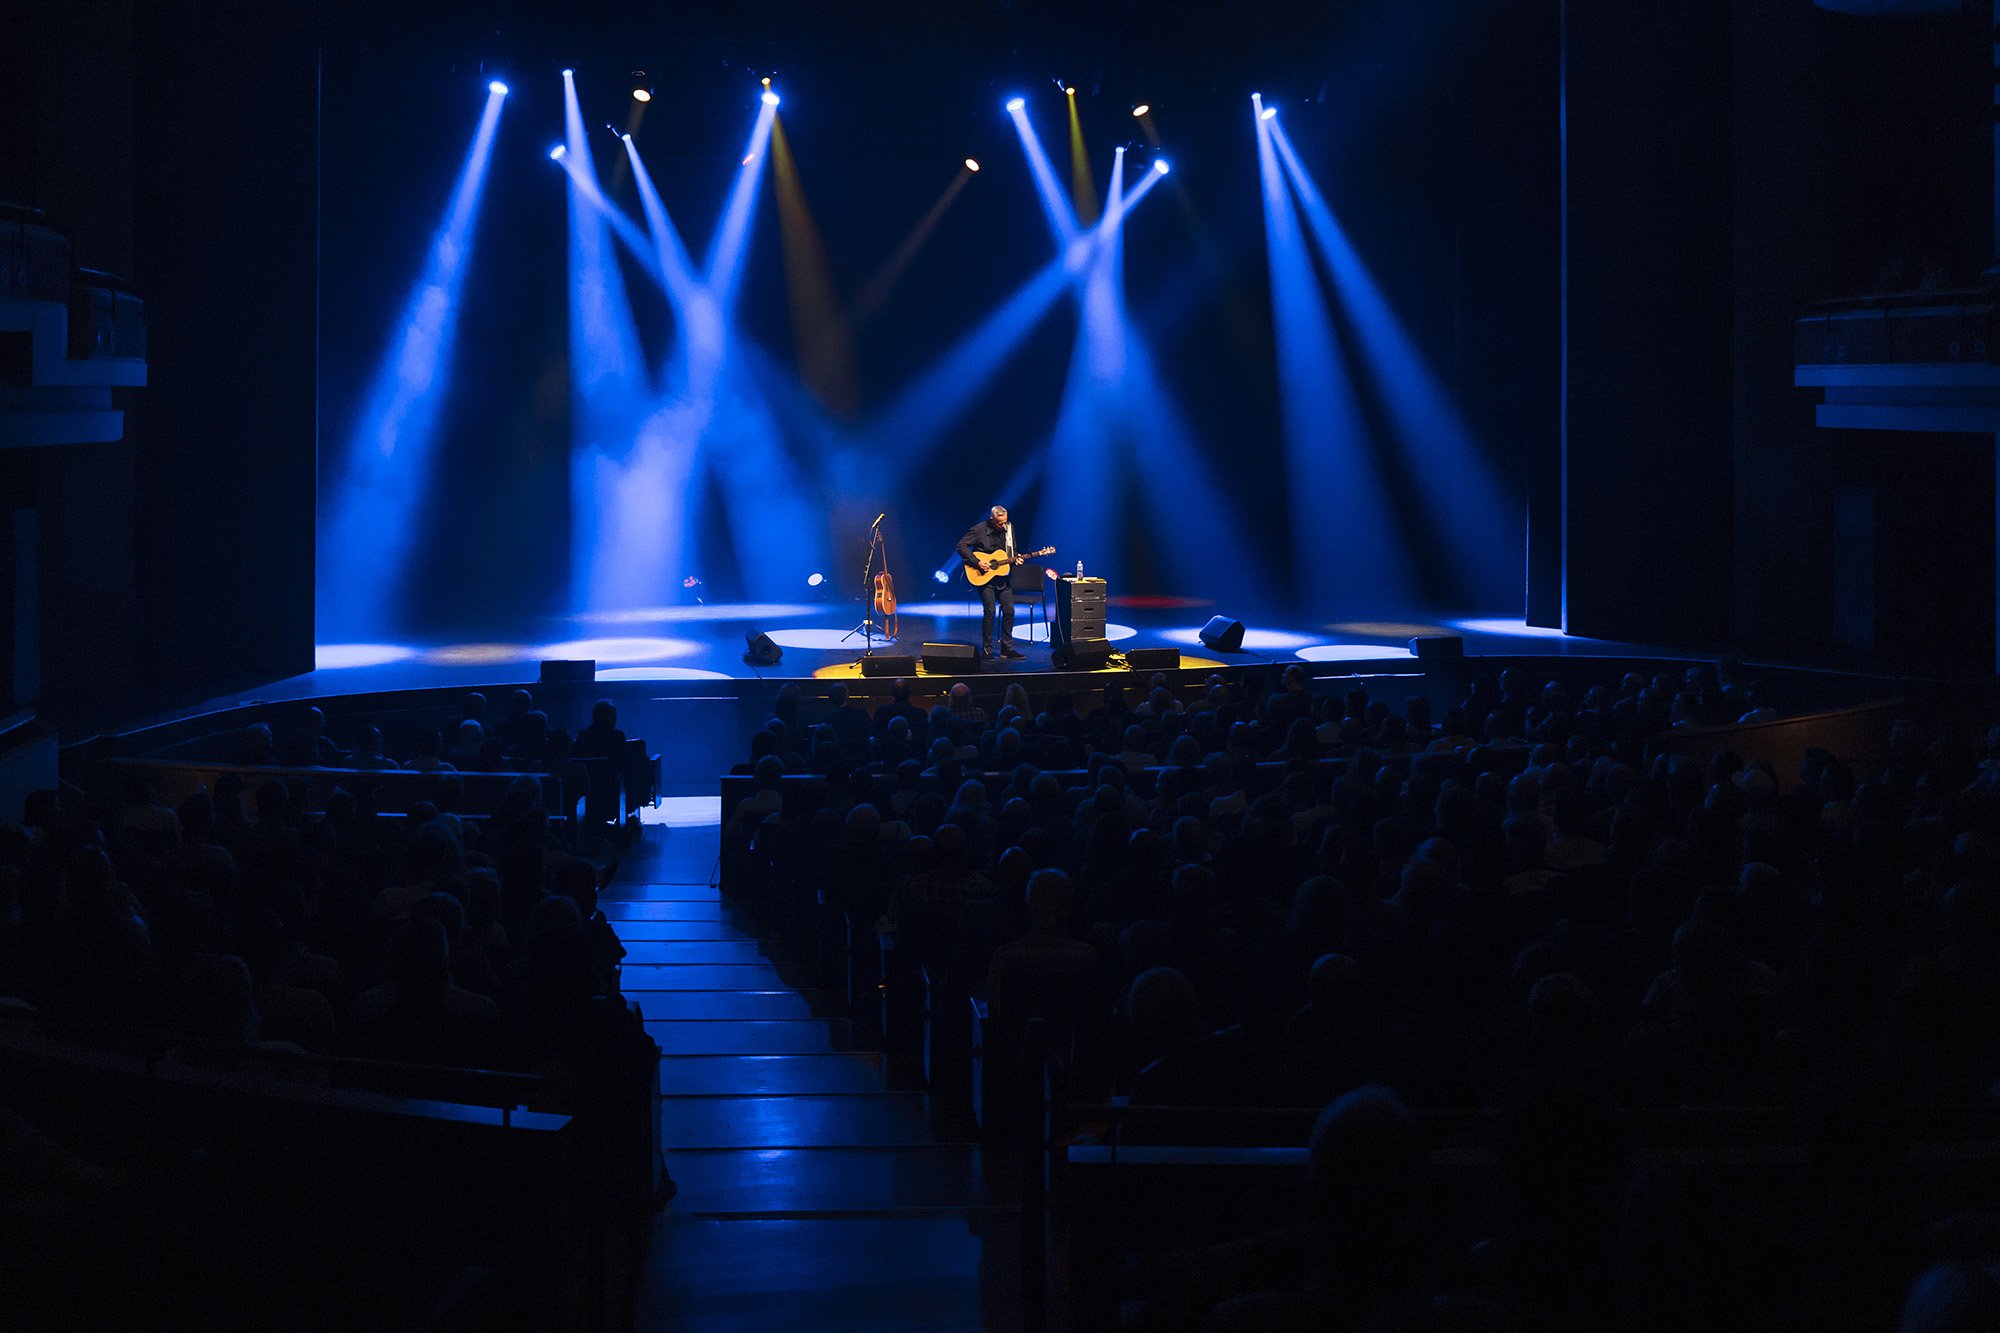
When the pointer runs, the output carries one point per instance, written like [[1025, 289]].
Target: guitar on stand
[[986, 566], [879, 592]]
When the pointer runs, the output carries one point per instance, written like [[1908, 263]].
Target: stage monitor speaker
[[1153, 659], [1223, 634], [762, 652], [947, 658], [566, 673], [1437, 647], [1082, 654], [888, 664]]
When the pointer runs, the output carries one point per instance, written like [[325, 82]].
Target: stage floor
[[706, 643]]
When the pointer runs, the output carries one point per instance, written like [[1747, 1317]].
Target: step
[[616, 911], [720, 1004], [880, 1120], [620, 892], [699, 976], [697, 1036], [629, 931], [846, 1274], [822, 1180], [640, 953], [763, 1075]]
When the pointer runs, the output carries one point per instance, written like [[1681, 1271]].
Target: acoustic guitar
[[885, 602], [986, 566]]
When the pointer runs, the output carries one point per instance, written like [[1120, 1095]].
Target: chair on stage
[[1032, 582]]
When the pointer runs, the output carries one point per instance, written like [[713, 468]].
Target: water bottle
[[1079, 569]]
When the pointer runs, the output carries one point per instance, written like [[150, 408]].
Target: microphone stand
[[867, 626]]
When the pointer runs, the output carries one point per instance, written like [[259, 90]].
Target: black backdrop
[[1430, 127]]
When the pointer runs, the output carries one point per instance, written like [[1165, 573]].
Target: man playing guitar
[[990, 558]]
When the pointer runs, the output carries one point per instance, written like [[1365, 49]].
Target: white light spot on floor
[[683, 812], [1352, 652], [341, 656]]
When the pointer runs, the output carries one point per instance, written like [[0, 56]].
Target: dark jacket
[[982, 536]]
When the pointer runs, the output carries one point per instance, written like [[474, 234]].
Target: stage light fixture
[[770, 98], [556, 153], [569, 74], [971, 164], [642, 94], [941, 576], [1160, 165], [1141, 109], [1069, 90], [1267, 113], [814, 580], [766, 80], [1016, 103], [497, 88]]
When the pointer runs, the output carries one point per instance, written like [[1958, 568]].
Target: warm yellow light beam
[[868, 301], [1080, 183], [823, 340]]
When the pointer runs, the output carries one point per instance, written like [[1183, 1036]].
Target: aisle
[[812, 1191]]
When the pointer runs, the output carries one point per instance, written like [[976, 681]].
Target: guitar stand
[[867, 627]]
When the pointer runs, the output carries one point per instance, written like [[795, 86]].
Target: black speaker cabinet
[[950, 658], [1081, 654], [1437, 647], [563, 673], [888, 664], [1153, 659], [762, 652], [1223, 634]]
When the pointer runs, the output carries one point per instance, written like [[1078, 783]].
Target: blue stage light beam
[[1479, 523], [941, 396], [638, 521], [388, 469], [1056, 205], [676, 269], [732, 234], [642, 247], [619, 468], [1345, 558], [1119, 433], [1087, 448], [605, 362]]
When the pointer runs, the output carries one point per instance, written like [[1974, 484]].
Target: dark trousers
[[999, 592]]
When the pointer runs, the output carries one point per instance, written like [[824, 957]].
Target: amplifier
[[1080, 609]]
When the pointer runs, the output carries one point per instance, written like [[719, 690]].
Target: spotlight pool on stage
[[1353, 652]]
